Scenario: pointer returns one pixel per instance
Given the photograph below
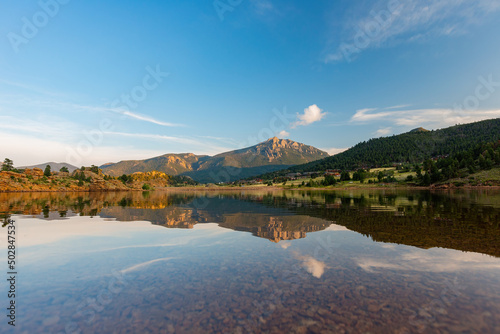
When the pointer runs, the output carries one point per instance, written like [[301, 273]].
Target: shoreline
[[271, 188]]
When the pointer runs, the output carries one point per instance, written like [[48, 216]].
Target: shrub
[[94, 169], [124, 178]]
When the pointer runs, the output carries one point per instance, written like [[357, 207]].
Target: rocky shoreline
[[34, 180]]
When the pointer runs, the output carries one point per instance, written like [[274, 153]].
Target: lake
[[366, 261]]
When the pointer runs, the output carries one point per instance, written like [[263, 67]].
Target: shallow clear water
[[238, 262]]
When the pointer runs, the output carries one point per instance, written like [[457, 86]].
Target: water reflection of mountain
[[467, 221], [421, 219], [265, 222]]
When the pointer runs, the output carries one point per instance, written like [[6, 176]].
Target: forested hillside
[[483, 157], [411, 147]]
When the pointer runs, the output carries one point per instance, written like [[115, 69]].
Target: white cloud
[[121, 111], [144, 264], [283, 134], [411, 20], [181, 140], [383, 131], [31, 88], [431, 118], [334, 150], [49, 106], [27, 150], [48, 138], [146, 118], [311, 114], [154, 136], [285, 244], [42, 238], [363, 115], [45, 233], [399, 106], [431, 260], [44, 126], [313, 266], [309, 263]]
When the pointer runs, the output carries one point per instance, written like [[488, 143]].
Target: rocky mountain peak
[[276, 143], [266, 156]]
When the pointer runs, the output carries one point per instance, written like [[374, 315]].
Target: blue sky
[[90, 82]]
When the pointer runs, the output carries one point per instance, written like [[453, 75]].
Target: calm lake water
[[254, 262]]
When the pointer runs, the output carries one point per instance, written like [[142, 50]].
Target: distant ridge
[[54, 166], [268, 156]]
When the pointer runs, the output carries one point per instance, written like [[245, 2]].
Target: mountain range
[[271, 155]]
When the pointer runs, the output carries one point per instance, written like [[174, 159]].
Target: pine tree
[[8, 165], [47, 172], [344, 176]]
